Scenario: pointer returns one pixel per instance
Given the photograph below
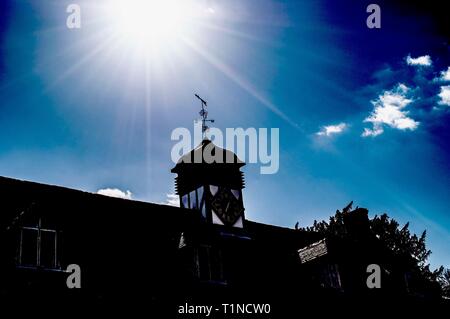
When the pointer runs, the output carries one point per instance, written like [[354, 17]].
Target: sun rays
[[130, 42]]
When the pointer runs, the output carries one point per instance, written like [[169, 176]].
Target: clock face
[[227, 207]]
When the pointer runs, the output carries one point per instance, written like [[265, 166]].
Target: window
[[209, 264], [38, 247], [28, 247], [330, 277], [194, 199]]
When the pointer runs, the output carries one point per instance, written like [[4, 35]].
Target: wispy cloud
[[115, 192], [172, 200], [330, 130], [444, 95], [389, 109], [375, 131], [424, 60]]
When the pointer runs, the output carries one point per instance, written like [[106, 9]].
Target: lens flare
[[148, 22]]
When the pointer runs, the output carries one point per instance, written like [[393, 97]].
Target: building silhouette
[[138, 255]]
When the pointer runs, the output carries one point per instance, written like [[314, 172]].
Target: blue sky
[[81, 109]]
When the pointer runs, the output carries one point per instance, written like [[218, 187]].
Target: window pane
[[29, 247], [204, 209], [236, 193], [213, 189], [200, 194], [210, 264], [184, 201], [48, 249], [193, 200], [203, 263]]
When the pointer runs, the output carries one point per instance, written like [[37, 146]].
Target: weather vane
[[204, 114]]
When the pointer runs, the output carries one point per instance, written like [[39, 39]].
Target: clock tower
[[210, 181], [213, 188]]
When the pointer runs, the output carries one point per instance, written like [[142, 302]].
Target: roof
[[20, 197], [76, 206], [210, 154]]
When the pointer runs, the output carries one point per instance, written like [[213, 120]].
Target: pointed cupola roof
[[208, 164]]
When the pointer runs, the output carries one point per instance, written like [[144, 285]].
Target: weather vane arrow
[[204, 114]]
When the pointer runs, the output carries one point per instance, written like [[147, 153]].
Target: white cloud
[[115, 192], [445, 75], [424, 60], [172, 200], [332, 129], [377, 130], [389, 110], [445, 95]]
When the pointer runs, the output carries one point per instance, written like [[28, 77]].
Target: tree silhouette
[[399, 240], [410, 246], [445, 283]]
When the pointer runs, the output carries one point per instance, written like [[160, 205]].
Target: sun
[[149, 23]]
